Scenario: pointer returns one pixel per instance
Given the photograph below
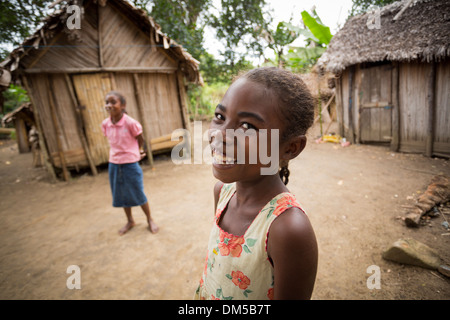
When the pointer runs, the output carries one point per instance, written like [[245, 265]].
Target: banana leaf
[[320, 31]]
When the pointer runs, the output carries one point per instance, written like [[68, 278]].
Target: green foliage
[[13, 97], [320, 31], [18, 19], [300, 59], [204, 100], [317, 37], [279, 38], [213, 70], [182, 20], [240, 24]]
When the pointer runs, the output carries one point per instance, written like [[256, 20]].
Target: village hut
[[72, 61], [392, 74], [23, 120]]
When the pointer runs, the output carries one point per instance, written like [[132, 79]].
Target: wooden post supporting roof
[[351, 105], [430, 110], [395, 142]]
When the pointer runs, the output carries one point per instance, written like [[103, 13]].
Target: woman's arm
[[293, 249], [140, 140]]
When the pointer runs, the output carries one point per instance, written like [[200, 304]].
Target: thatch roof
[[421, 32], [55, 22]]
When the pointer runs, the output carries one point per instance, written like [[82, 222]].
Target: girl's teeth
[[219, 158]]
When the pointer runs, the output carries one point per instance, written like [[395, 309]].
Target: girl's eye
[[219, 116], [247, 126]]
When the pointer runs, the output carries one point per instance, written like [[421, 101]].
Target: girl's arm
[[140, 140], [292, 247]]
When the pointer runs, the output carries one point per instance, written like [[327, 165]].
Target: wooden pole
[[80, 125], [395, 142], [183, 101], [340, 105], [42, 144], [57, 130], [430, 107], [182, 97], [140, 105], [99, 35], [326, 107], [350, 105], [319, 101]]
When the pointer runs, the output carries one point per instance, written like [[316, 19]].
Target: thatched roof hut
[[392, 71], [23, 120], [67, 71]]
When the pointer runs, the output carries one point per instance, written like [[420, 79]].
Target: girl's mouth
[[221, 159]]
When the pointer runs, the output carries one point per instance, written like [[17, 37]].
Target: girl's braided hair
[[293, 99]]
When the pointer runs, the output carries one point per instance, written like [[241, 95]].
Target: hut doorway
[[375, 106], [91, 90]]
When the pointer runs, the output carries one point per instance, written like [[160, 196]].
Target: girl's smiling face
[[113, 105], [246, 106]]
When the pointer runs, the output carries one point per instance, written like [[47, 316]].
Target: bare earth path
[[353, 195]]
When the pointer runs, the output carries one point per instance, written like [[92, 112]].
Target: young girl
[[262, 245], [125, 175]]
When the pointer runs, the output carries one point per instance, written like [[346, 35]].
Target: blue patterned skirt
[[127, 185]]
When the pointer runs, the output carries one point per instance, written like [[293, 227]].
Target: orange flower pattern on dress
[[230, 244], [240, 279], [278, 206]]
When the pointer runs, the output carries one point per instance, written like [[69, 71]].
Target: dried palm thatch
[[419, 32]]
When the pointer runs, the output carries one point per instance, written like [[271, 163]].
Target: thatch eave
[[421, 33]]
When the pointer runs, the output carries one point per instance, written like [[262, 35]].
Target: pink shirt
[[124, 147]]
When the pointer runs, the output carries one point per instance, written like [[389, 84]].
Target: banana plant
[[318, 29], [317, 37]]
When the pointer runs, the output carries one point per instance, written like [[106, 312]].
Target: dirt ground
[[353, 195]]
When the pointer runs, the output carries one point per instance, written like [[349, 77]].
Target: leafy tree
[[240, 24], [279, 38], [182, 20], [18, 19]]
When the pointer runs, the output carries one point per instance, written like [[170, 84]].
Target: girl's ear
[[293, 147]]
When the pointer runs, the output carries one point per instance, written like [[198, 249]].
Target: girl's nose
[[221, 138]]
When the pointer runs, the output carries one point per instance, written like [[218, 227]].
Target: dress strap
[[226, 192]]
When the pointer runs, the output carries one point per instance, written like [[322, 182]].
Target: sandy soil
[[354, 197]]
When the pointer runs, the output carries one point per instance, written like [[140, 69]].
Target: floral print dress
[[238, 267]]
